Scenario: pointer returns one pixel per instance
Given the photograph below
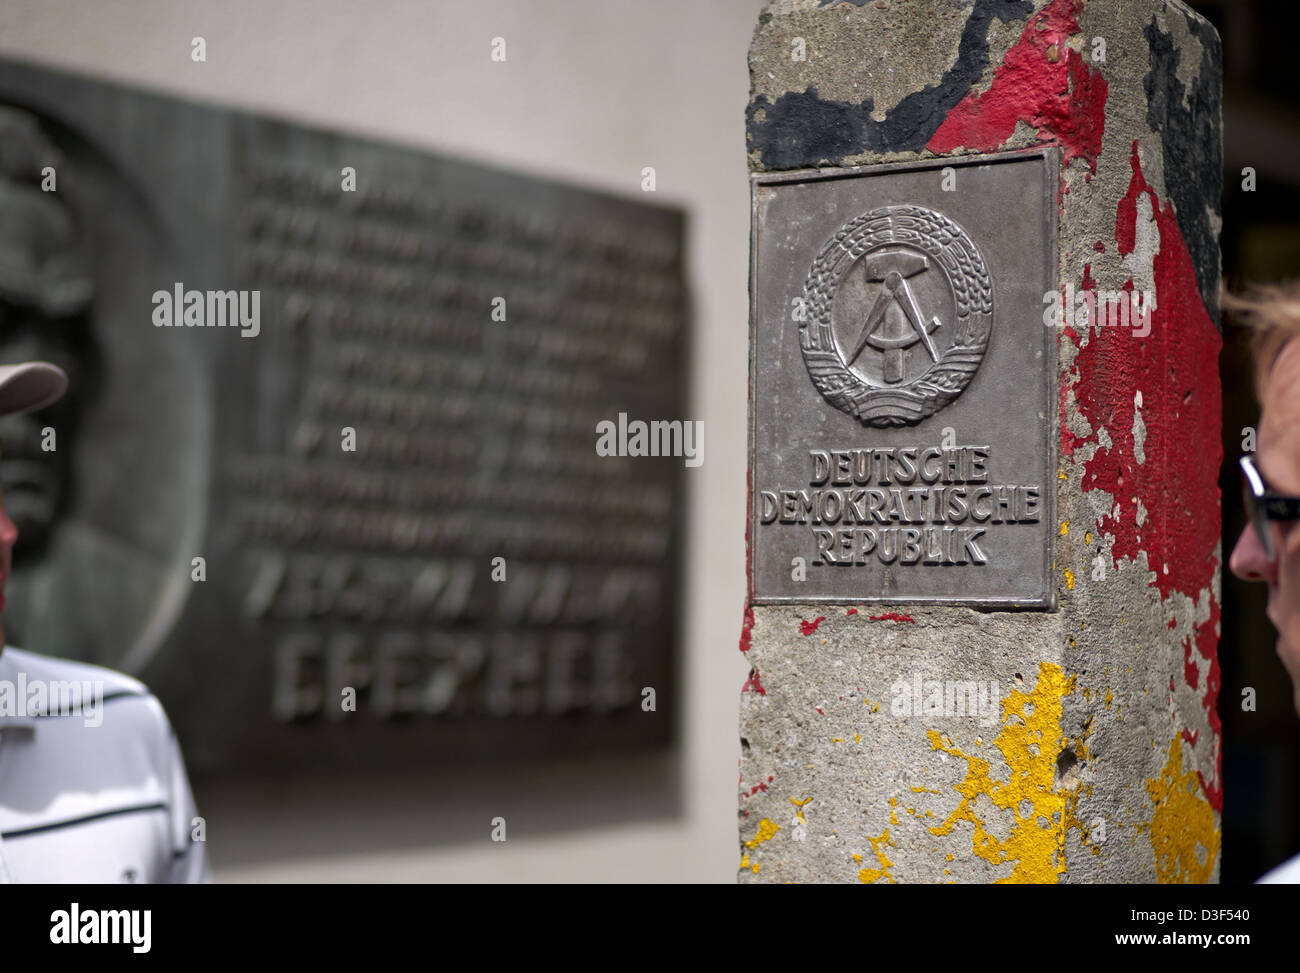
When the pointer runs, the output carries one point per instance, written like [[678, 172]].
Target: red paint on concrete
[[1088, 284], [893, 617], [1175, 367], [1069, 441], [809, 627], [1065, 99], [1190, 671], [1099, 247], [747, 630], [819, 710], [752, 684], [851, 611], [1207, 644]]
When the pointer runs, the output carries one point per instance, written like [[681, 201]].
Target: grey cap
[[30, 385]]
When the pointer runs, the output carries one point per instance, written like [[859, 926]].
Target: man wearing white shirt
[[92, 782]]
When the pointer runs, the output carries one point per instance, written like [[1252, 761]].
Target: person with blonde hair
[[1268, 550]]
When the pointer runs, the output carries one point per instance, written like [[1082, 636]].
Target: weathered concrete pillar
[[984, 521]]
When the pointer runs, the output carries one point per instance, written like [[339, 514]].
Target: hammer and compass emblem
[[902, 251], [892, 268]]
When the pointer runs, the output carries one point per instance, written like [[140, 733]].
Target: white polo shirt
[[92, 783], [1288, 873]]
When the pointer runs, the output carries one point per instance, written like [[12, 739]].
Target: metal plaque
[[901, 440], [332, 436]]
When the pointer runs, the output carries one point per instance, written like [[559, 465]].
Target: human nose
[[1249, 562]]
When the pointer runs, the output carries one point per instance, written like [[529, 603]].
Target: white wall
[[590, 93]]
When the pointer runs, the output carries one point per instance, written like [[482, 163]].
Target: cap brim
[[28, 386]]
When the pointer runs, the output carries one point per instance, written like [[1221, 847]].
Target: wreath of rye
[[972, 290]]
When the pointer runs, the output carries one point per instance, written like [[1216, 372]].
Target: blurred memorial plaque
[[381, 479], [903, 383]]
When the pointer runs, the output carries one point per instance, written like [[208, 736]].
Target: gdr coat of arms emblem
[[899, 310]]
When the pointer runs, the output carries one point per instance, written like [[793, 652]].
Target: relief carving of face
[[44, 314]]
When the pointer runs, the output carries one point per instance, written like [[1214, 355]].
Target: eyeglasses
[[1263, 506]]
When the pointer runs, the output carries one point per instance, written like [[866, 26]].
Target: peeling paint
[[1179, 447], [1065, 101], [807, 628], [799, 806], [869, 876], [1029, 720], [1184, 829], [767, 830]]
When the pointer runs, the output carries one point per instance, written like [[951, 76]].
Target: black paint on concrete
[[802, 129], [1192, 143]]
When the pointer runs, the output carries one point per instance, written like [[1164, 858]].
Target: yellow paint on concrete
[[869, 876], [1184, 830], [1110, 697], [1087, 537], [1029, 741], [1081, 752], [1072, 793], [766, 831], [1065, 528], [799, 808], [744, 863], [857, 738], [1069, 579]]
